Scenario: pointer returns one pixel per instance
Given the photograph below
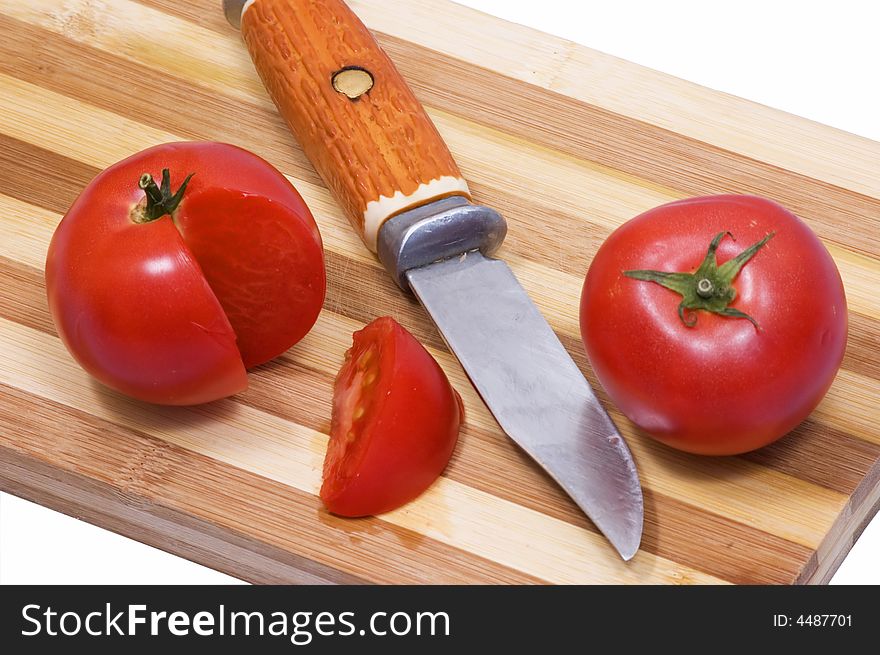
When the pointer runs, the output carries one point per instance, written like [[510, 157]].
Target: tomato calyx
[[710, 287], [159, 200]]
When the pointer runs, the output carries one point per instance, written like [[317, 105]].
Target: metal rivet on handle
[[352, 81]]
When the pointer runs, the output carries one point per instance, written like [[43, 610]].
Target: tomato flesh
[[272, 288], [722, 386], [395, 423]]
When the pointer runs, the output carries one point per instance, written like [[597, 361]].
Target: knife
[[387, 166]]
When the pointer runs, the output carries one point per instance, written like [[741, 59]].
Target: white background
[[816, 59]]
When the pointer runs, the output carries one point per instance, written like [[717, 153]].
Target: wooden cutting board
[[541, 128]]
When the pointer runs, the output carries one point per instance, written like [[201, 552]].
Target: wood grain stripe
[[723, 483], [822, 455], [41, 177], [595, 78], [171, 489], [635, 148], [291, 454]]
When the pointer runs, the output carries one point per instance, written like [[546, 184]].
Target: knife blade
[[386, 164]]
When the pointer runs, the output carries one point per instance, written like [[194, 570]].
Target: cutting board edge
[[100, 504], [848, 528], [80, 496]]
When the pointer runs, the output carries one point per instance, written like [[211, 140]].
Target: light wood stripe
[[291, 454]]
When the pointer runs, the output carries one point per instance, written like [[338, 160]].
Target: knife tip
[[628, 540], [628, 551]]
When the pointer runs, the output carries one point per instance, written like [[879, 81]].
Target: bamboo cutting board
[[541, 128]]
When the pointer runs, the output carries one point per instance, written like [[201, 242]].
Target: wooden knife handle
[[352, 112]]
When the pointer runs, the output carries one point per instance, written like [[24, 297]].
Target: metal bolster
[[435, 231], [232, 9]]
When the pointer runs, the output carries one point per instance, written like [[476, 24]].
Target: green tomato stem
[[159, 199], [710, 287]]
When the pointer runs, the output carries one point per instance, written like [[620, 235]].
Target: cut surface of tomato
[[394, 426], [263, 264]]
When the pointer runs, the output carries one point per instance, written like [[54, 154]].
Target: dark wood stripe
[[863, 341], [23, 296], [175, 484], [203, 14], [820, 454], [743, 554], [41, 177], [619, 142], [488, 461]]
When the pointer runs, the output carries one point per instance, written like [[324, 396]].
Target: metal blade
[[536, 392]]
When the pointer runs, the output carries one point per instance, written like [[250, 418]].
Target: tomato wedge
[[395, 423]]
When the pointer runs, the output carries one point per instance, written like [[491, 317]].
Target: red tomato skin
[[721, 387], [410, 433], [130, 301]]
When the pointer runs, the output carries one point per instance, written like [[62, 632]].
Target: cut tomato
[[169, 296], [395, 423]]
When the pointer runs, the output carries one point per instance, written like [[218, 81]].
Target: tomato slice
[[394, 426]]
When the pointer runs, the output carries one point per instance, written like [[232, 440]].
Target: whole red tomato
[[395, 423], [169, 291], [714, 353]]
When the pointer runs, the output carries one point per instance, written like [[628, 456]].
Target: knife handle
[[351, 111]]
